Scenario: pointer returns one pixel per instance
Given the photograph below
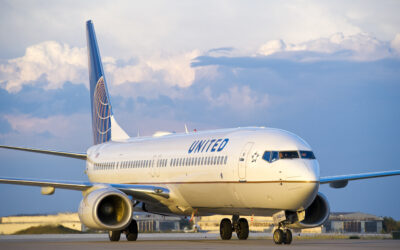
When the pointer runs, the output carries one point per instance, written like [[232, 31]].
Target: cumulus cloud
[[360, 47], [171, 70], [238, 98], [272, 47], [63, 126], [49, 62], [395, 44]]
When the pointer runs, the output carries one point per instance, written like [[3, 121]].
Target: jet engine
[[106, 208], [315, 215]]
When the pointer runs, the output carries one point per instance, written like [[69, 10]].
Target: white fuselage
[[220, 171]]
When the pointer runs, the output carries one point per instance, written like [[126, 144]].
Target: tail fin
[[104, 126]]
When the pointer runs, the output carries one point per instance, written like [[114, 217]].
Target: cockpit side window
[[271, 156], [307, 155], [267, 156], [274, 156]]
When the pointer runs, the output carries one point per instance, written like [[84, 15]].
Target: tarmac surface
[[180, 241]]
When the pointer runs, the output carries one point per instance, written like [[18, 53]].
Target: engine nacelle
[[106, 208], [315, 215]]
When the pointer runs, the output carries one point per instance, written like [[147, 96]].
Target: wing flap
[[142, 192], [48, 152]]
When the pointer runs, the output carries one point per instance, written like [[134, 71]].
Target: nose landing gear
[[239, 225]]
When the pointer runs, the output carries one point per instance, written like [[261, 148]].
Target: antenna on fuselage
[[186, 129]]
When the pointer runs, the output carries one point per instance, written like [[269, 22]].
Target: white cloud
[[272, 47], [51, 64], [50, 61], [395, 43], [238, 98], [361, 47], [171, 70], [61, 126]]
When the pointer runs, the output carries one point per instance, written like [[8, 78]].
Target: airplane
[[235, 172]]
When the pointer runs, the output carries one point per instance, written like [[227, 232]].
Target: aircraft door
[[243, 160]]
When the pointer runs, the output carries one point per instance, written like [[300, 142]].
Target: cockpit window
[[274, 156], [307, 155], [267, 156], [288, 155], [271, 156]]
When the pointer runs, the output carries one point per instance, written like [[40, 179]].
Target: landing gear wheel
[[132, 231], [288, 237], [278, 236], [225, 229], [114, 235], [242, 229]]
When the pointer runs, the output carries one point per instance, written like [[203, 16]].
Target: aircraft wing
[[139, 192], [49, 152], [340, 181]]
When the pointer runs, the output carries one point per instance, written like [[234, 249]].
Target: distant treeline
[[390, 224]]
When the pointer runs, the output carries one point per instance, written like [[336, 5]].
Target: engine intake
[[106, 208], [316, 214]]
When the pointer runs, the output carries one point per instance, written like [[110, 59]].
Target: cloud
[[359, 47], [238, 98], [60, 126], [171, 70], [272, 47], [395, 44], [48, 63]]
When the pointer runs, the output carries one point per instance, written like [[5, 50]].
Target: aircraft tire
[[225, 229], [132, 231], [242, 230], [288, 237], [278, 236], [114, 235]]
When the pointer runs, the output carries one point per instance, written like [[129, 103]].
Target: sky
[[327, 71]]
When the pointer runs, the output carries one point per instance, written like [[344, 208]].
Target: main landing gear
[[131, 232], [239, 225], [282, 236]]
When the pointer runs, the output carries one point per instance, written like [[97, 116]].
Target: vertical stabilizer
[[104, 126]]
